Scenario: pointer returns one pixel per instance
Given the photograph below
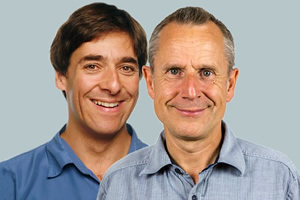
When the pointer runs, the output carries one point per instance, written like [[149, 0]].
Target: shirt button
[[178, 171], [194, 197]]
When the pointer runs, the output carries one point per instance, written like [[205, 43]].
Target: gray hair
[[196, 16]]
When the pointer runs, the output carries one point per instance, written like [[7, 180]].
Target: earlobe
[[60, 81], [231, 84], [149, 80]]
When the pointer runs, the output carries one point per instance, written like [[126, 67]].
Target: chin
[[191, 136], [107, 135]]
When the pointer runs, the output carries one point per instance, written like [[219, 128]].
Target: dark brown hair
[[90, 22]]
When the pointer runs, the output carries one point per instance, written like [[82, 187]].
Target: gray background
[[265, 108]]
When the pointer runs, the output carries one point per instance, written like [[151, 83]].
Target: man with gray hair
[[191, 78]]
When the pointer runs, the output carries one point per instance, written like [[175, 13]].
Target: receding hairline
[[194, 16], [192, 24]]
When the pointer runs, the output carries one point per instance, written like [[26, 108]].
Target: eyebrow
[[129, 60], [168, 66], [177, 66], [91, 57], [100, 57], [212, 67]]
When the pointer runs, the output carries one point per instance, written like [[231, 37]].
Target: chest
[[212, 185]]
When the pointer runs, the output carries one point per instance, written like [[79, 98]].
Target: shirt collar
[[60, 153], [230, 154], [136, 143], [57, 155]]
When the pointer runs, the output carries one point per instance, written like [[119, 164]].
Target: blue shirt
[[51, 171], [243, 171]]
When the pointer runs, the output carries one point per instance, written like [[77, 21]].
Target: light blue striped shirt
[[243, 171]]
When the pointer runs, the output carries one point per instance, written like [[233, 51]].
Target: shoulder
[[127, 170], [24, 160], [135, 161], [264, 155], [251, 149], [275, 165], [18, 172]]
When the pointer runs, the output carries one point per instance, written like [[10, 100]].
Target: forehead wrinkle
[[203, 66], [168, 66]]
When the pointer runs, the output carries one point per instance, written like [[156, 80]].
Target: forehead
[[191, 33], [112, 40], [190, 42], [109, 45]]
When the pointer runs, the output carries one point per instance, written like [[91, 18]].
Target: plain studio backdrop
[[266, 106]]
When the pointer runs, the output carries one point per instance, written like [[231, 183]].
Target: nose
[[191, 87], [111, 81]]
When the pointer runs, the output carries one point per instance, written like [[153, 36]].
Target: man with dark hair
[[97, 54], [191, 78]]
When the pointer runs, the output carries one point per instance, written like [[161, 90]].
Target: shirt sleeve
[[7, 183], [294, 188]]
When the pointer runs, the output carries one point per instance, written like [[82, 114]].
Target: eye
[[127, 68], [174, 71], [91, 67], [206, 73]]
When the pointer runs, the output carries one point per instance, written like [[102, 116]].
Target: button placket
[[178, 171], [194, 197]]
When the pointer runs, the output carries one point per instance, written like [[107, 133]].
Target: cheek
[[165, 91], [216, 92], [132, 85], [85, 84]]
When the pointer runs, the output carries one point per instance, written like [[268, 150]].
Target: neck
[[194, 156], [97, 154]]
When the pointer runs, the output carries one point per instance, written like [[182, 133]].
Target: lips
[[106, 104], [191, 107], [191, 110]]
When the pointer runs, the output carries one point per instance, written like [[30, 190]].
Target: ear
[[60, 81], [231, 84], [149, 80]]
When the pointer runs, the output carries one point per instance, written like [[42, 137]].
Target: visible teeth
[[105, 104]]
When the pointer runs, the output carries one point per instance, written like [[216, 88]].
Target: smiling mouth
[[191, 111], [106, 104]]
